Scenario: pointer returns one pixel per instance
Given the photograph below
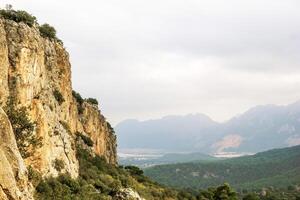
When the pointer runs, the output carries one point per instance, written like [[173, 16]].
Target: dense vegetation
[[47, 31], [58, 96], [100, 180], [18, 16], [23, 128], [92, 101], [276, 168], [80, 101], [87, 140]]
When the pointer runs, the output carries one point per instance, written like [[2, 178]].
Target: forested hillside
[[278, 168]]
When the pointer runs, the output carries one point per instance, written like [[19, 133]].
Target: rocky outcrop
[[127, 193], [13, 175], [36, 71]]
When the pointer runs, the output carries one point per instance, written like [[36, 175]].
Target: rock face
[[127, 194], [13, 175], [37, 73]]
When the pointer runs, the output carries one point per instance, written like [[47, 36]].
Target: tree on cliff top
[[18, 16]]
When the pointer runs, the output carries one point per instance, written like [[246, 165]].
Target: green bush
[[18, 16], [47, 31], [111, 129], [58, 96], [34, 176], [78, 97], [133, 170], [79, 101], [59, 164], [223, 192], [87, 140], [92, 101], [23, 128]]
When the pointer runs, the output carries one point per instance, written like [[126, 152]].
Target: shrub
[[133, 170], [47, 31], [66, 126], [59, 164], [79, 101], [18, 16], [111, 129], [23, 128], [58, 96], [92, 101], [87, 140], [251, 197], [78, 97], [34, 176]]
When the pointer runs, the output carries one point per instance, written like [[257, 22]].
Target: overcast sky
[[145, 59]]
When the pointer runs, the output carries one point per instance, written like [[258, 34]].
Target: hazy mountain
[[180, 133], [258, 129], [278, 168]]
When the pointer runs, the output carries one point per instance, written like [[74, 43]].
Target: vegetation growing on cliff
[[23, 128], [92, 101], [58, 96], [47, 31], [87, 140], [18, 16], [79, 101]]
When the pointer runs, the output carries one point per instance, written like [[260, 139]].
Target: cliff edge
[[36, 73]]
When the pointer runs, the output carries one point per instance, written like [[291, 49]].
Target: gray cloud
[[144, 59]]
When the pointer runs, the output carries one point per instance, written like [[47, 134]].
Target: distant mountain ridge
[[258, 129]]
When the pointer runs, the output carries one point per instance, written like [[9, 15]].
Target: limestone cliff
[[34, 70], [13, 175]]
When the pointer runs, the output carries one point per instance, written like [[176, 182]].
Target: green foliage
[[223, 192], [87, 140], [23, 128], [251, 197], [18, 16], [78, 97], [63, 187], [92, 101], [100, 180], [59, 164], [34, 176], [133, 170], [58, 96], [111, 129], [47, 31], [79, 101], [250, 172]]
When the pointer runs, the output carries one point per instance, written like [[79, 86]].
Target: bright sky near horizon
[[145, 59]]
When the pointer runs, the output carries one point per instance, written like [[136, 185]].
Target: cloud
[[146, 59], [229, 141]]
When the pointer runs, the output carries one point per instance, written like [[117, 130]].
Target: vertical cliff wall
[[34, 70], [13, 176]]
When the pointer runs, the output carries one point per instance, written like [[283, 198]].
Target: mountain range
[[258, 129]]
